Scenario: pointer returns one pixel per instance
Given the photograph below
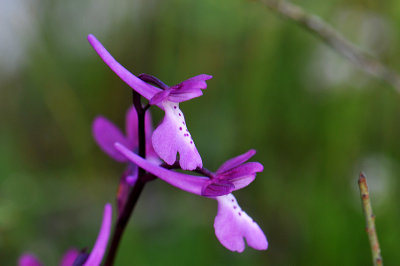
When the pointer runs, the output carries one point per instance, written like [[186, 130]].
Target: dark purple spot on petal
[[180, 114], [191, 142], [234, 207], [180, 128], [184, 123], [240, 214], [233, 200], [174, 107]]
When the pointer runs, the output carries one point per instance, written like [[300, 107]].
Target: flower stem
[[370, 220], [135, 191]]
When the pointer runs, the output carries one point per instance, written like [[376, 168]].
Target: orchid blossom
[[172, 135], [231, 224], [74, 257], [106, 134]]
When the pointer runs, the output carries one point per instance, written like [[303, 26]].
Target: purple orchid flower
[[171, 136], [71, 257], [106, 134], [232, 225]]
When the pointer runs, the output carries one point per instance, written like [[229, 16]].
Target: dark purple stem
[[136, 190]]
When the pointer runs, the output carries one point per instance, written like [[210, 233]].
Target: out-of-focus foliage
[[315, 120]]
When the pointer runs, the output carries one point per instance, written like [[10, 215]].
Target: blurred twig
[[335, 40], [370, 220]]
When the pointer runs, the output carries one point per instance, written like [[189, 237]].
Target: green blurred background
[[315, 120]]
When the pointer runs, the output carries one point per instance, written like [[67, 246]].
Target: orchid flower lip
[[232, 226]]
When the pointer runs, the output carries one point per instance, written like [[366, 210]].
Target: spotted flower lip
[[69, 259], [232, 225]]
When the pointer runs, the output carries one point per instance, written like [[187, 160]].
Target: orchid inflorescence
[[150, 155]]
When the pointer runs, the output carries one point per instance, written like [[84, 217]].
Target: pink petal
[[242, 175], [97, 253], [182, 97], [28, 259], [141, 87], [232, 225], [172, 136], [188, 89], [243, 181], [69, 257], [231, 163], [189, 183], [106, 134], [193, 83], [243, 169]]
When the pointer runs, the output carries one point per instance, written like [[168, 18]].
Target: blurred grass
[[313, 128]]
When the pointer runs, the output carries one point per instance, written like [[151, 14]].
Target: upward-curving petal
[[97, 253], [189, 183], [236, 161], [188, 89], [232, 225], [141, 87], [242, 170], [106, 134], [184, 96], [193, 83]]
